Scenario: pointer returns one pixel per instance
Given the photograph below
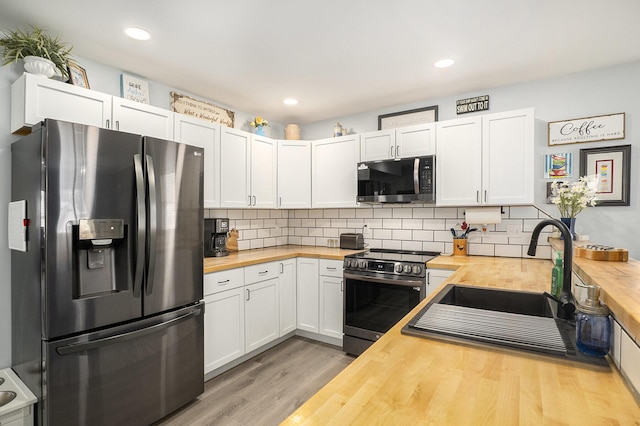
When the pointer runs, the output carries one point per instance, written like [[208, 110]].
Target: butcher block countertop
[[271, 254], [406, 380]]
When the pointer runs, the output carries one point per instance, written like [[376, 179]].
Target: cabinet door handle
[[477, 196], [117, 125], [485, 195], [398, 151], [428, 278], [280, 203], [341, 286], [223, 282], [392, 152], [248, 294], [281, 268], [254, 200], [249, 200], [108, 123]]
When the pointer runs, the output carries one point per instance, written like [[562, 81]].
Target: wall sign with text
[[589, 129], [475, 104]]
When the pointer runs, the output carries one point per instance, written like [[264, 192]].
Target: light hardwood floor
[[266, 389]]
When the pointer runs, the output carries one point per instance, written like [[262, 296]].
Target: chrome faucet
[[566, 306]]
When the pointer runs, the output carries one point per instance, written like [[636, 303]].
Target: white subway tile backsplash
[[401, 234], [409, 227], [401, 213]]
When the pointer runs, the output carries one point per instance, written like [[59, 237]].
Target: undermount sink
[[489, 317], [6, 397]]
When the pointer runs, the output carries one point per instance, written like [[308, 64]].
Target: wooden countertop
[[271, 254], [411, 380]]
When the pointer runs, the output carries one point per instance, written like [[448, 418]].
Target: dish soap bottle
[[593, 327], [556, 277]]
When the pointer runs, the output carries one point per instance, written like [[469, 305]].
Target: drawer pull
[[223, 282], [331, 268], [263, 272]]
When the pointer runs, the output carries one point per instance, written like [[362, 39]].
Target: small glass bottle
[[593, 327]]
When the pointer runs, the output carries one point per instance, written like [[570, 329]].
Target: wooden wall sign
[[589, 129], [200, 109], [475, 104]]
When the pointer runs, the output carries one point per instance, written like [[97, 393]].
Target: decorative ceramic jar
[[292, 132]]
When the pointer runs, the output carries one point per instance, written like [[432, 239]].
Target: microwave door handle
[[416, 175], [141, 225]]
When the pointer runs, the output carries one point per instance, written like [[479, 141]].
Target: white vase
[[39, 66]]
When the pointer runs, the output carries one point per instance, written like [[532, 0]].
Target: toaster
[[351, 241]]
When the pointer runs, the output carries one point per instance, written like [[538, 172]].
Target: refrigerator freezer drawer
[[132, 375]]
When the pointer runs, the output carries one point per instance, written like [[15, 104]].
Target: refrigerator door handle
[[153, 226], [141, 228], [85, 346]]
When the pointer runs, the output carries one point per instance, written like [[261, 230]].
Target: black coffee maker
[[215, 237]]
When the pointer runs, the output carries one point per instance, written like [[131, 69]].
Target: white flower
[[572, 198]]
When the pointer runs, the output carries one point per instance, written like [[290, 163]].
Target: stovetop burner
[[387, 261]]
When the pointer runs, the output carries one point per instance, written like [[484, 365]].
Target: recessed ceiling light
[[137, 33], [444, 63], [290, 101]]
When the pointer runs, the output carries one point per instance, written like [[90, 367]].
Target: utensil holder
[[459, 246]]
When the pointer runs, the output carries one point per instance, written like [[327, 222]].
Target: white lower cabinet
[[224, 328], [435, 277], [287, 294], [262, 321], [307, 297], [629, 356], [223, 318], [331, 298]]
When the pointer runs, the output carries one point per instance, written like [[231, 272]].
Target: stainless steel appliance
[[381, 287], [106, 299], [215, 237], [351, 241], [407, 180]]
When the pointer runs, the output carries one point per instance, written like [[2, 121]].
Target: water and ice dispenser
[[97, 246]]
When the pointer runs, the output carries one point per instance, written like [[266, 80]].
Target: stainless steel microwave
[[408, 180]]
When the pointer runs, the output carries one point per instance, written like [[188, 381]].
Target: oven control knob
[[362, 264], [416, 269], [407, 269], [348, 263], [398, 268]]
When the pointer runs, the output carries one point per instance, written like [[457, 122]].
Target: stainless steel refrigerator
[[107, 317]]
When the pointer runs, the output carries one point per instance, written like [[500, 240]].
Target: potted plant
[[41, 53]]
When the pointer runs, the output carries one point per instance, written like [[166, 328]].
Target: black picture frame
[[612, 157], [406, 118]]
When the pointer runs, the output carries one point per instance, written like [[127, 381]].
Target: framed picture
[[610, 167], [77, 75], [588, 129], [558, 166], [408, 118], [134, 89], [550, 192]]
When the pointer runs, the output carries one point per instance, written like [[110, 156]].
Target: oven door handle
[[403, 282]]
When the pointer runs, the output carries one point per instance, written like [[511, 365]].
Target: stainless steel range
[[381, 287]]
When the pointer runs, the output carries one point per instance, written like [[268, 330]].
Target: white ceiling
[[339, 57]]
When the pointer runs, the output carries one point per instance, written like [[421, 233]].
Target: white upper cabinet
[[486, 160], [508, 157], [248, 170], [135, 117], [403, 142], [34, 98], [204, 134], [264, 172], [294, 174], [334, 176], [234, 168]]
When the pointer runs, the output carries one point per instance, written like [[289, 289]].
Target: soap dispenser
[[593, 327], [556, 277]]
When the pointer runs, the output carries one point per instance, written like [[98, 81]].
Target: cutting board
[[610, 255]]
